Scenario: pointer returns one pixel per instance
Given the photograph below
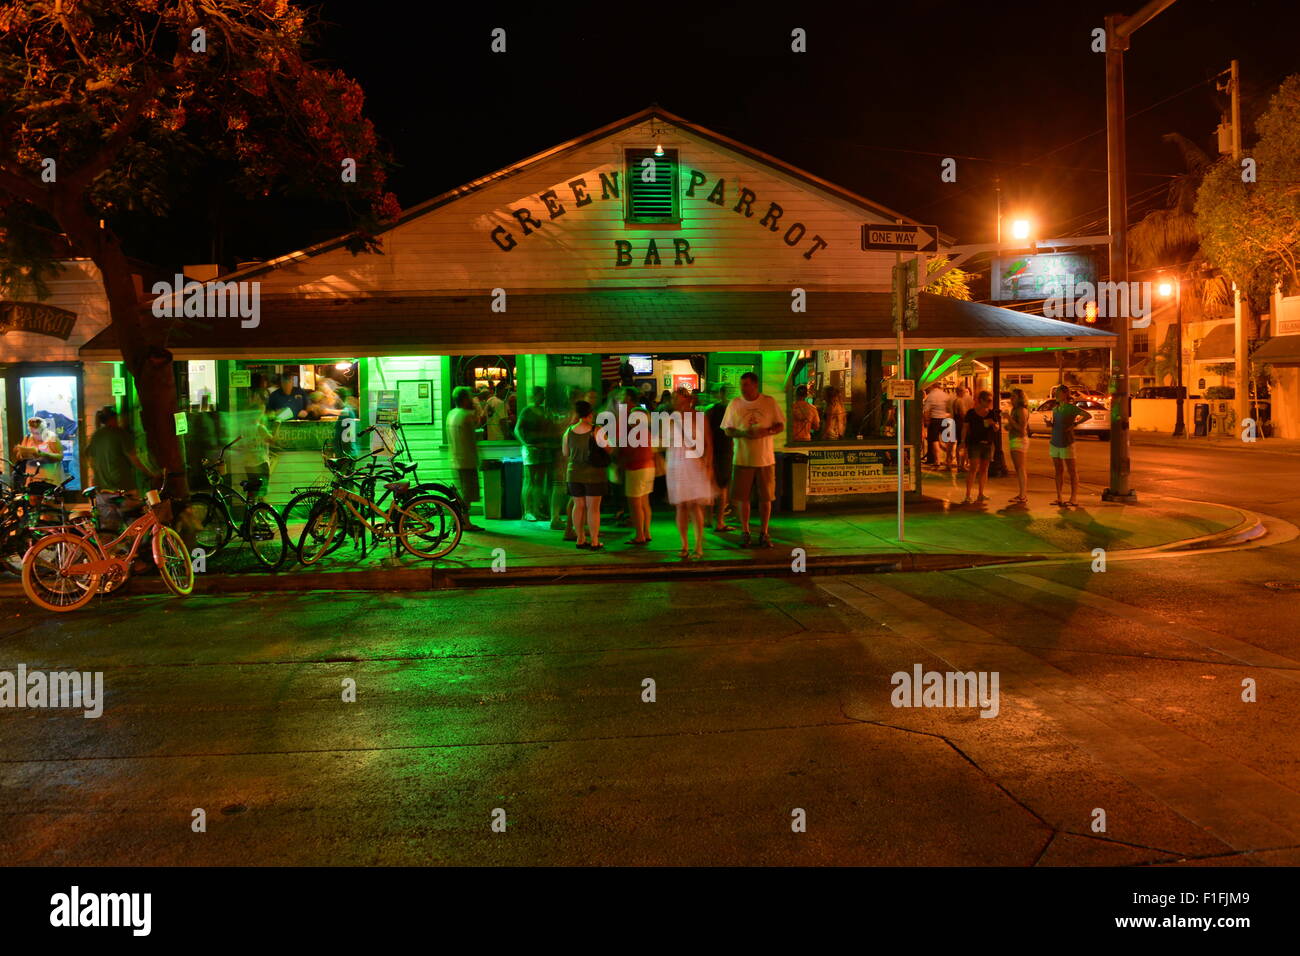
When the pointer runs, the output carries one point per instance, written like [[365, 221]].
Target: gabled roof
[[635, 119], [614, 321]]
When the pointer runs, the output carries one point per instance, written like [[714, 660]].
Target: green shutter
[[652, 201]]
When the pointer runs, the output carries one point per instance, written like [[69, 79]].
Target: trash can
[[512, 488], [493, 471], [791, 482]]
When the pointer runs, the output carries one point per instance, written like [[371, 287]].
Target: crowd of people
[[968, 428], [574, 469]]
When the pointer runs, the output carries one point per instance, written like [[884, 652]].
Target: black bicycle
[[258, 523], [29, 508]]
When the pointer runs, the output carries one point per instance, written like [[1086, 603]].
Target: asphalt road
[[1119, 692]]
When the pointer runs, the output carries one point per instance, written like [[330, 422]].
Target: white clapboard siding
[[450, 248], [77, 288]]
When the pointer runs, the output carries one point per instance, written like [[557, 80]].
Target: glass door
[[53, 398]]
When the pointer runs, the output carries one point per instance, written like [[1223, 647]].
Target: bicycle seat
[[397, 487], [407, 467], [40, 487], [251, 484]]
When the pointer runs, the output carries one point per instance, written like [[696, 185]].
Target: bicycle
[[378, 469], [260, 525], [428, 526], [64, 571], [28, 509]]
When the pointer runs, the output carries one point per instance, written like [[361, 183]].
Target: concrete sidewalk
[[940, 533], [1228, 443]]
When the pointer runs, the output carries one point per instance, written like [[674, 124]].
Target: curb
[[1250, 528]]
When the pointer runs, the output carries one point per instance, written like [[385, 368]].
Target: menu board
[[856, 471], [415, 402]]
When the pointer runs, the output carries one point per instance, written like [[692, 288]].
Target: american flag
[[609, 366]]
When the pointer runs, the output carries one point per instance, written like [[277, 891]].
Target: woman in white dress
[[690, 477]]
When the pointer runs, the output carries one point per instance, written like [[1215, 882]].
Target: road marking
[[1220, 643], [1237, 804]]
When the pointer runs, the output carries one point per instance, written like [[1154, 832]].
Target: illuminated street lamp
[[1167, 288], [1021, 229]]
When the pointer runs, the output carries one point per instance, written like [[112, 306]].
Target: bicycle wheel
[[298, 511], [213, 522], [428, 526], [318, 537], [47, 580], [173, 561], [266, 536]]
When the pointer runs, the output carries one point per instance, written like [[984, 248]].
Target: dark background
[[1012, 90]]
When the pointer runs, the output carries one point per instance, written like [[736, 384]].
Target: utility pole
[[1241, 304], [1119, 29]]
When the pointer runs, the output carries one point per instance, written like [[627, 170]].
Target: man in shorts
[[462, 436], [751, 420], [1064, 419]]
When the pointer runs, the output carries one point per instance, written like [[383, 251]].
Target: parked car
[[1040, 419]]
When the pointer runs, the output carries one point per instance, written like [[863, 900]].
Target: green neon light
[[946, 365], [926, 374]]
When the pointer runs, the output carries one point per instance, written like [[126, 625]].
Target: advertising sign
[[1041, 276], [386, 406], [857, 471], [240, 378]]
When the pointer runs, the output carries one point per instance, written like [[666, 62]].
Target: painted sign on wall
[[36, 318]]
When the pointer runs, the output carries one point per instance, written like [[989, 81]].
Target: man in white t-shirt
[[752, 420]]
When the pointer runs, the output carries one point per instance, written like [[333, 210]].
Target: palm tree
[[1169, 237]]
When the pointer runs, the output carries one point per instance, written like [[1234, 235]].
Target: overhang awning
[[1219, 345], [1279, 350], [624, 320]]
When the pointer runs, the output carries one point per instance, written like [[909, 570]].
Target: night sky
[[1011, 90]]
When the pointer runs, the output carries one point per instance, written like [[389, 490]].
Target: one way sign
[[885, 238]]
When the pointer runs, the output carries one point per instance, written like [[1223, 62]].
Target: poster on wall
[[857, 471], [415, 402], [730, 374], [385, 405], [688, 382]]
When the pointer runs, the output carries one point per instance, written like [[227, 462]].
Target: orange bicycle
[[63, 572]]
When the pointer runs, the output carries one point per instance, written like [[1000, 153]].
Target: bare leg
[[970, 481], [764, 515], [1018, 459], [743, 508], [593, 517], [1059, 467], [697, 513], [683, 519], [1074, 481], [578, 509], [983, 468], [720, 520]]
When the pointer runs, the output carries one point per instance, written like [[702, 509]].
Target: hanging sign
[[36, 318], [240, 378], [182, 423], [119, 386]]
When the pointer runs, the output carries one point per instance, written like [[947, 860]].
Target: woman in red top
[[637, 459]]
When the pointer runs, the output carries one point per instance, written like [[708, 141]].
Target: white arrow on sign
[[880, 237]]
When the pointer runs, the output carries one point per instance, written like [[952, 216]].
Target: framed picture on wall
[[415, 401]]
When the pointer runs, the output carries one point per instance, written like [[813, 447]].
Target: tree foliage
[[109, 108], [1251, 230]]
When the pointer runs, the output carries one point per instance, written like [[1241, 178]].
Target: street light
[[1166, 288], [1021, 229]]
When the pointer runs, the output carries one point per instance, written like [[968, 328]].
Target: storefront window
[[53, 399]]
